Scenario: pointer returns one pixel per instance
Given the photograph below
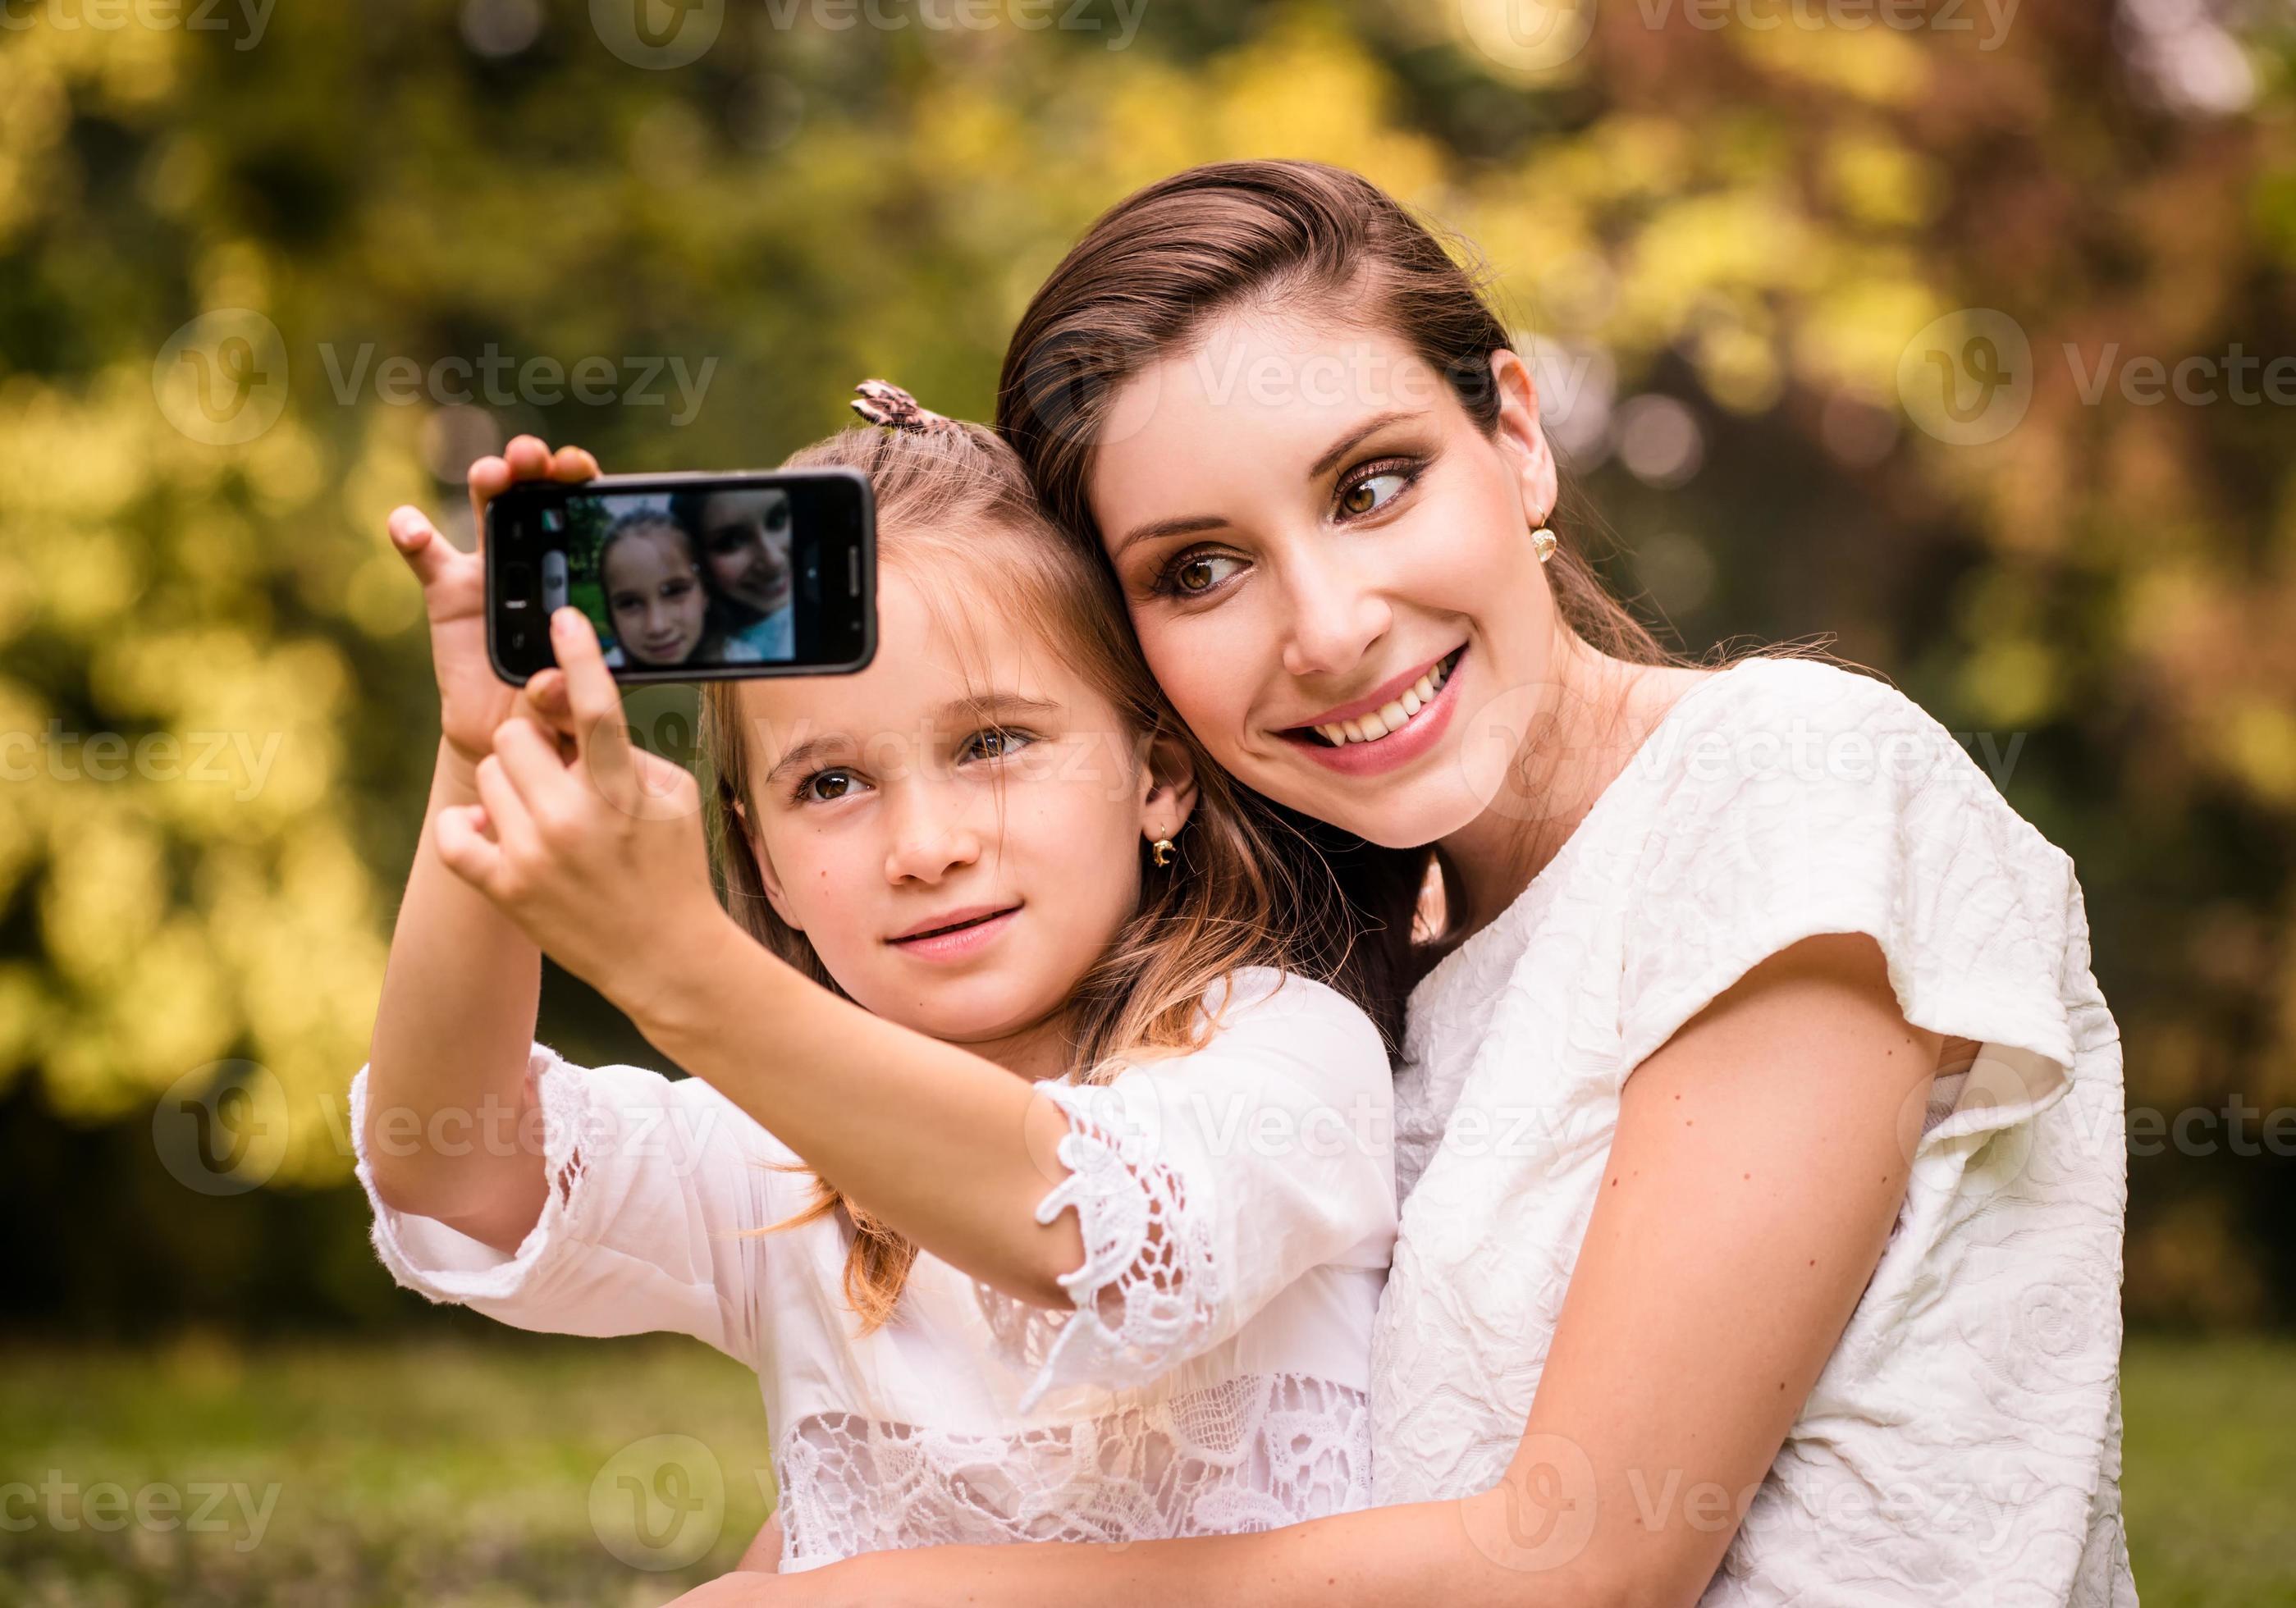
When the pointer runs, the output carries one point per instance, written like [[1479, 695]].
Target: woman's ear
[[1167, 788], [1520, 435]]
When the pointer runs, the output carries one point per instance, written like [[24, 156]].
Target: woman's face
[[1313, 536], [653, 596], [745, 541]]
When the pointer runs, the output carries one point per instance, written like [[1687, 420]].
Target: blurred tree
[[260, 281]]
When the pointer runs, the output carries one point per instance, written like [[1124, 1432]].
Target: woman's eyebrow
[[1187, 525], [1354, 439]]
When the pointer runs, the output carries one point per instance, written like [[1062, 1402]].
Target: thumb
[[428, 553]]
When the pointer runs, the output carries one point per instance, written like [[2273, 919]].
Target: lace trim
[[1252, 1453], [564, 1099], [1150, 1285]]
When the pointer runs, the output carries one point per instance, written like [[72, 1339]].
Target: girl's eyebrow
[[988, 709], [805, 753]]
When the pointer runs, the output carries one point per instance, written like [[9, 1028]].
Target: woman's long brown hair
[[1155, 269], [955, 512]]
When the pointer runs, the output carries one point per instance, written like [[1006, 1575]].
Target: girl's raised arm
[[446, 1085], [603, 859]]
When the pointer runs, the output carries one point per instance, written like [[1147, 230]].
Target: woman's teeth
[[1388, 717]]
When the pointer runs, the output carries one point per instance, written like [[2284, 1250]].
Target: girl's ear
[[1521, 436], [1167, 788], [767, 876]]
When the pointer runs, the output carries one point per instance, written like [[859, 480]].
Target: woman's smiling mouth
[[1394, 726]]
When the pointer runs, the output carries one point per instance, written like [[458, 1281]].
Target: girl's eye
[[995, 744], [1374, 491], [1198, 574], [826, 786]]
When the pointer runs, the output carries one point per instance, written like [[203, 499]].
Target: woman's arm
[[447, 1071], [1759, 1160]]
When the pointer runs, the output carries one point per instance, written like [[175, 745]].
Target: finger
[[465, 850], [599, 728], [573, 463], [543, 700], [531, 761], [525, 458], [430, 555], [506, 810]]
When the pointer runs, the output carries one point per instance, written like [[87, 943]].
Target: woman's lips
[[1398, 748], [957, 943]]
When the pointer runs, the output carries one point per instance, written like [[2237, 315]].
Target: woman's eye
[[1199, 573], [1372, 493]]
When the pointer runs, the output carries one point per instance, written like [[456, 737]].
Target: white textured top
[[1238, 1208], [1963, 1444]]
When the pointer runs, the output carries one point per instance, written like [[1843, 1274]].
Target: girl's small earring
[[1542, 543], [1160, 851]]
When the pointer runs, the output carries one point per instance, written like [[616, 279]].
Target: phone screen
[[687, 576]]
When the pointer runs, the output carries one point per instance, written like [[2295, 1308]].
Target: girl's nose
[[930, 838], [1335, 619]]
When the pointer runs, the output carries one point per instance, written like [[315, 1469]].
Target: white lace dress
[[1238, 1208], [1963, 1444]]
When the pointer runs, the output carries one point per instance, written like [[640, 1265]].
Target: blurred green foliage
[[1724, 238], [451, 1472]]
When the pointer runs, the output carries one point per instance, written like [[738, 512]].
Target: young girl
[[1102, 1199], [656, 598]]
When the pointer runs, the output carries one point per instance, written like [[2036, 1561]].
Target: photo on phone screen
[[687, 576]]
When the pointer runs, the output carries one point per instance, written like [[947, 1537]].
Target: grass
[[504, 1473]]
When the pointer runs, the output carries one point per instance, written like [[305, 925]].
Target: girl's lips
[[957, 943], [1398, 748]]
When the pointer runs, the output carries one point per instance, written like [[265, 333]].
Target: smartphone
[[687, 576]]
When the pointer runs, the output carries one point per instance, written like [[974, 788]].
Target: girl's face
[[1330, 567], [745, 541], [654, 597], [957, 827]]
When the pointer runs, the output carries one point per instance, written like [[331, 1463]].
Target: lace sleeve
[[1150, 1286]]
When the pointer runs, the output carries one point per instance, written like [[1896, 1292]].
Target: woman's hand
[[590, 844], [472, 700]]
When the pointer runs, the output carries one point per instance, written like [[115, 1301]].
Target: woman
[[1759, 1125], [744, 537]]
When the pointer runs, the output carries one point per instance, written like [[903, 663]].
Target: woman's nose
[[1335, 618]]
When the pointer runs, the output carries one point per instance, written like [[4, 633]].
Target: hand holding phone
[[687, 576], [471, 698]]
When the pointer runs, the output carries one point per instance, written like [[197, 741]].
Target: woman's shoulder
[[1786, 738]]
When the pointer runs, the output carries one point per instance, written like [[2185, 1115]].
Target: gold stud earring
[[1542, 543], [1161, 851]]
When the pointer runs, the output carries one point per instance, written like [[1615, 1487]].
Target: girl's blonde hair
[[1247, 887]]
